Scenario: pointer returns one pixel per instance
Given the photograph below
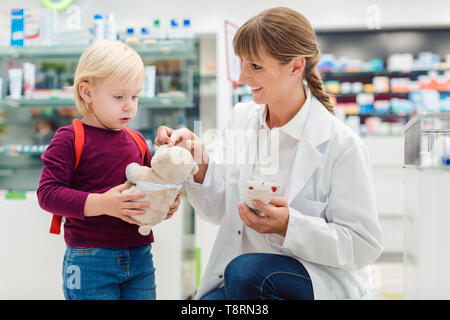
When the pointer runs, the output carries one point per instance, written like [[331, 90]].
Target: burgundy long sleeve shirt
[[63, 191]]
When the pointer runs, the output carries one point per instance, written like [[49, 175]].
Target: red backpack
[[78, 128]]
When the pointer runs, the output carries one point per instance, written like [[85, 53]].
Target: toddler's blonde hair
[[110, 61]]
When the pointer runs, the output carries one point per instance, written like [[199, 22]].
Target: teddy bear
[[170, 167]]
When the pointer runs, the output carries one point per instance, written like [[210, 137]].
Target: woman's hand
[[116, 204], [183, 138], [163, 135], [174, 206], [166, 135], [187, 139], [274, 220]]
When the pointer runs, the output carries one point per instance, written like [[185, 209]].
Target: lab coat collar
[[295, 126], [318, 123]]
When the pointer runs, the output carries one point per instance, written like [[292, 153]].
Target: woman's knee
[[242, 278], [246, 270], [241, 267]]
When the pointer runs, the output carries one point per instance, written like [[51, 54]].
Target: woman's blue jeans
[[259, 276], [109, 274]]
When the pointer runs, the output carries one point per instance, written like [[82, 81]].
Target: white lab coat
[[333, 227]]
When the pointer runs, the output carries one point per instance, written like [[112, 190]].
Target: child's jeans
[[109, 274]]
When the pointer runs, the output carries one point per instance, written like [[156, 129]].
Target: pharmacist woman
[[319, 234]]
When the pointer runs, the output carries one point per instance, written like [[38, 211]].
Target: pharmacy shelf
[[21, 166], [153, 103], [329, 74], [165, 102], [12, 161], [161, 49], [387, 115], [380, 93]]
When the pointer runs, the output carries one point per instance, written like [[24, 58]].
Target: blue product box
[[17, 27], [366, 108]]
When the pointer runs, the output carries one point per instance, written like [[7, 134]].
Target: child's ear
[[84, 89]]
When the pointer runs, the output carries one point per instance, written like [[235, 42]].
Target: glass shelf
[[380, 115], [16, 161], [384, 72], [161, 49], [153, 103], [390, 93]]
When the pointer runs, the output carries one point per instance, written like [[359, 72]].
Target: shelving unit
[[345, 62]]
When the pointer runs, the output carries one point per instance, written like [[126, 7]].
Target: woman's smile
[[256, 89]]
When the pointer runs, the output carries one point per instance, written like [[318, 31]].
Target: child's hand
[[115, 204], [174, 206]]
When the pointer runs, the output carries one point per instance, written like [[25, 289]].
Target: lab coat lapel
[[308, 157], [250, 155]]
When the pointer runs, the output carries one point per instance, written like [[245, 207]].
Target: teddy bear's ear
[[194, 169], [129, 171]]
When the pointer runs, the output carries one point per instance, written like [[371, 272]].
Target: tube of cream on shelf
[[150, 79], [29, 75], [15, 83]]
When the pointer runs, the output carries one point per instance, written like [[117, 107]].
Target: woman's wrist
[[202, 162], [199, 177]]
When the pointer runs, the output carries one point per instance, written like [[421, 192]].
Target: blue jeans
[[259, 276], [109, 274]]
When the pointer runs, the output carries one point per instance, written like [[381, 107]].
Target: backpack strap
[[142, 145], [78, 129]]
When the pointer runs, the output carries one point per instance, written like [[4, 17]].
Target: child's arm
[[115, 204], [55, 193]]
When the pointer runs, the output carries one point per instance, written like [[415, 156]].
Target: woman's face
[[269, 80]]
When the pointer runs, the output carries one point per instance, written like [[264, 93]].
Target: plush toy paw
[[129, 172], [145, 229]]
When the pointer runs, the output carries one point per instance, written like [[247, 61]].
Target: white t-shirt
[[274, 165]]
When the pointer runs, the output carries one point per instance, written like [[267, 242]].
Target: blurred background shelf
[[145, 102], [161, 49]]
